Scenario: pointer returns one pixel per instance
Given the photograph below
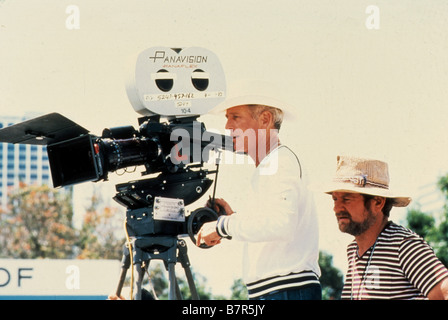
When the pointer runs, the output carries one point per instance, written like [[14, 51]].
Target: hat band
[[361, 181]]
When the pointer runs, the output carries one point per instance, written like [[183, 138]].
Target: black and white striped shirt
[[401, 265]]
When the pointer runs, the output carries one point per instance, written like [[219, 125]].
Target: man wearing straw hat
[[279, 233], [385, 260]]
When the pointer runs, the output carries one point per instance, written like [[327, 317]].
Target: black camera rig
[[178, 85]]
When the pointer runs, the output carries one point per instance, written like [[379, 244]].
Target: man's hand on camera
[[208, 235], [221, 205]]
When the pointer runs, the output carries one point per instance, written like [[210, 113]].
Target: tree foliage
[[331, 279], [239, 290], [102, 233], [37, 224], [433, 230]]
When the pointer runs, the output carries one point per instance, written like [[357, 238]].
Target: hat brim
[[287, 109], [400, 200]]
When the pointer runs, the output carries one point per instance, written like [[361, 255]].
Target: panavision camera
[[169, 88], [177, 85]]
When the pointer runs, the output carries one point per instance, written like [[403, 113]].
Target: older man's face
[[243, 128], [351, 213]]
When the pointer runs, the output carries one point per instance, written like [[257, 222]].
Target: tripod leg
[[178, 293], [125, 263], [172, 281], [183, 258], [191, 285], [140, 271], [121, 281]]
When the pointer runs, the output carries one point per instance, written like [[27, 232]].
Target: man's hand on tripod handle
[[220, 206]]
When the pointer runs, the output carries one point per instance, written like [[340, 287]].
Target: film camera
[[174, 85]]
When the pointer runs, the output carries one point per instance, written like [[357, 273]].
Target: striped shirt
[[290, 281], [400, 265]]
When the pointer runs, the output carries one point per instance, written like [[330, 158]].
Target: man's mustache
[[343, 214]]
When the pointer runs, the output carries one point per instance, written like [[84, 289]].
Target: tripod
[[170, 250], [154, 219]]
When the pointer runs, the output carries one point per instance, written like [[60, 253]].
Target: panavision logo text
[[161, 56]]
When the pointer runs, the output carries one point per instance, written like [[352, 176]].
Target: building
[[21, 163], [430, 199]]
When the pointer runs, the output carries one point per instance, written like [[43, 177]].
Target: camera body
[[159, 147], [174, 82], [176, 85]]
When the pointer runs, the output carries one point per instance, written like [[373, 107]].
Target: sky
[[379, 93]]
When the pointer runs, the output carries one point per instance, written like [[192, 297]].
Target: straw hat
[[249, 91], [364, 176]]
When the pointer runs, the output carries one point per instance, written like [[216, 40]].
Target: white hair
[[277, 114]]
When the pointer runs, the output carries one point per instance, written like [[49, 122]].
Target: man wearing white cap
[[385, 260], [279, 233]]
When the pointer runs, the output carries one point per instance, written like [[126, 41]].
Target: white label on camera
[[169, 209]]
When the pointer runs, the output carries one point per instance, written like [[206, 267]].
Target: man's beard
[[356, 228]]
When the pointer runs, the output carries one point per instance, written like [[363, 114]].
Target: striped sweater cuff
[[222, 227]]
